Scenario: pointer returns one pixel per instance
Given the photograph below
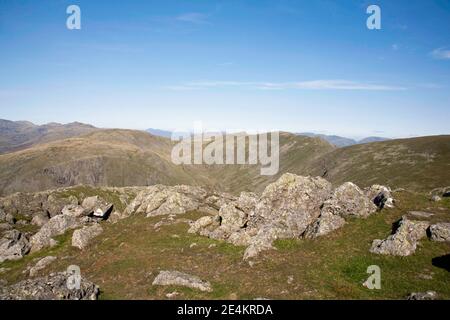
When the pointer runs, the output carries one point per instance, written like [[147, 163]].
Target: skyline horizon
[[357, 138]]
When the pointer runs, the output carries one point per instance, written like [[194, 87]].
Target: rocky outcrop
[[30, 204], [404, 241], [41, 264], [176, 278], [292, 207], [13, 245], [161, 200], [52, 287], [348, 200], [284, 210], [83, 236], [54, 204], [57, 225], [440, 232]]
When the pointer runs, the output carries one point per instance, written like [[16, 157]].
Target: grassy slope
[[124, 260], [419, 164]]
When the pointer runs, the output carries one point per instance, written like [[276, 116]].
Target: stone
[[83, 236], [90, 204], [247, 201], [284, 210], [41, 264], [57, 225], [2, 215], [13, 246], [232, 219], [54, 204], [40, 219], [172, 295], [349, 200], [176, 278], [51, 287], [429, 295], [103, 212], [435, 198], [162, 200], [10, 218], [326, 223], [292, 200], [5, 226], [73, 210], [404, 241], [440, 232], [381, 196], [203, 223], [97, 207]]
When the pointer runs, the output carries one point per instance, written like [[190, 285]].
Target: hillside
[[106, 157], [136, 158], [18, 135], [416, 164]]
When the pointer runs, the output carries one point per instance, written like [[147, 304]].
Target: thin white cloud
[[441, 53], [302, 85], [193, 17]]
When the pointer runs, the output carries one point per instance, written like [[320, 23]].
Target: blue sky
[[237, 65]]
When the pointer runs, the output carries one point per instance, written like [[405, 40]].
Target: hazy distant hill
[[160, 133], [17, 135], [342, 141], [372, 139]]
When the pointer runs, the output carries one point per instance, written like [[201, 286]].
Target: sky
[[295, 66]]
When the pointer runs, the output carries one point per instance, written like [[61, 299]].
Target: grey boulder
[[176, 278], [404, 241]]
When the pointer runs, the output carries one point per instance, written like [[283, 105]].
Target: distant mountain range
[[342, 141], [18, 135], [160, 133], [333, 139]]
